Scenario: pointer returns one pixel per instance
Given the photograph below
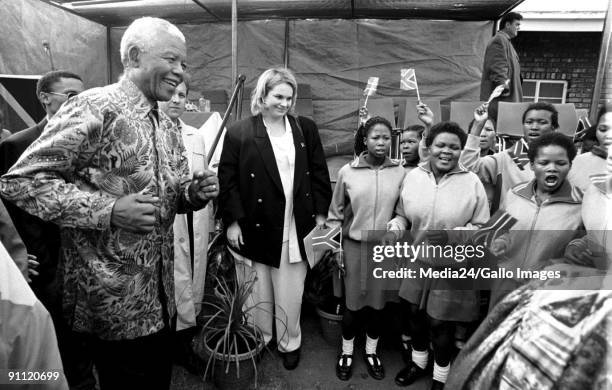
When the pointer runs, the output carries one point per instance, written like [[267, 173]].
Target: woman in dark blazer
[[275, 189]]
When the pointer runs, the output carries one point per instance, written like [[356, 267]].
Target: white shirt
[[284, 152]]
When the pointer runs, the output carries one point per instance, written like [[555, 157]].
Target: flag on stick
[[319, 241], [370, 89], [498, 91], [408, 81], [499, 223]]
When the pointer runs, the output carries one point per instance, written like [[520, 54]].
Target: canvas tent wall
[[336, 57], [77, 44]]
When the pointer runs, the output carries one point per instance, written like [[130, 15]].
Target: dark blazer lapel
[[262, 141], [301, 158]]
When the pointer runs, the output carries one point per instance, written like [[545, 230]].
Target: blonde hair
[[268, 80], [141, 33]]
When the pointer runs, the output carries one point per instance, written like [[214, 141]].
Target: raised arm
[[426, 116], [485, 167]]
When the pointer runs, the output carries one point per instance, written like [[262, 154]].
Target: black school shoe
[[406, 346], [291, 359], [376, 370], [409, 374], [344, 370], [435, 385]]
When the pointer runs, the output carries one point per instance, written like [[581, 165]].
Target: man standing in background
[[42, 238], [501, 64], [190, 232]]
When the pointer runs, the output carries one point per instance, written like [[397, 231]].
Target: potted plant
[[229, 341], [319, 291]]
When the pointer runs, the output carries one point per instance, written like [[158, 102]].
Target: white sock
[[405, 337], [347, 346], [440, 373], [371, 345], [347, 349], [420, 358]]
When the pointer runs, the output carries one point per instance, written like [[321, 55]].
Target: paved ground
[[317, 365]]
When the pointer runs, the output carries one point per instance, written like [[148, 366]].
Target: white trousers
[[277, 295]]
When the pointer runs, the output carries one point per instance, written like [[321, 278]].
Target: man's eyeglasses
[[66, 95]]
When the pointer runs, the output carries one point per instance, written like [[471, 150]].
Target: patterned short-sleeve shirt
[[101, 145]]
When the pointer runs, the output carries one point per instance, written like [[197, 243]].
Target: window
[[551, 91]]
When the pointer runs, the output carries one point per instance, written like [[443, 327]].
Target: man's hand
[[425, 114], [135, 212], [234, 235], [204, 187], [32, 267]]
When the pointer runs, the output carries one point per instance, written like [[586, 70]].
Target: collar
[[566, 194], [287, 125], [137, 99], [503, 33], [409, 164], [361, 162], [426, 166]]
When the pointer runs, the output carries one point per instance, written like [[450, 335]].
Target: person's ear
[[134, 54], [44, 99]]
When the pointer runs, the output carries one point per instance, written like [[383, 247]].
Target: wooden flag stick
[[365, 103], [417, 87]]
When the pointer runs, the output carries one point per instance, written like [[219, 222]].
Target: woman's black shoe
[[435, 385], [291, 359], [409, 374], [344, 369], [375, 370]]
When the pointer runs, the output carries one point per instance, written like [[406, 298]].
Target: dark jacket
[[501, 63], [41, 238], [252, 192]]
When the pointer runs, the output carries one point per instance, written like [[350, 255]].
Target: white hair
[[141, 33]]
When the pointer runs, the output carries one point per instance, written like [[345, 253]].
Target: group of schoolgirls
[[439, 186]]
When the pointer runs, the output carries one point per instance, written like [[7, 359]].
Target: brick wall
[[570, 56], [606, 87]]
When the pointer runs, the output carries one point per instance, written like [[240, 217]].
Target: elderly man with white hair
[[111, 170]]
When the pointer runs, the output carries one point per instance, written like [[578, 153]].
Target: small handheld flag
[[408, 81], [499, 223], [498, 91], [370, 89], [318, 241]]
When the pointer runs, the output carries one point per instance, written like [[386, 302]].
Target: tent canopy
[[121, 13]]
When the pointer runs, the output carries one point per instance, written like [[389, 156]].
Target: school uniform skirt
[[440, 301], [362, 289]]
